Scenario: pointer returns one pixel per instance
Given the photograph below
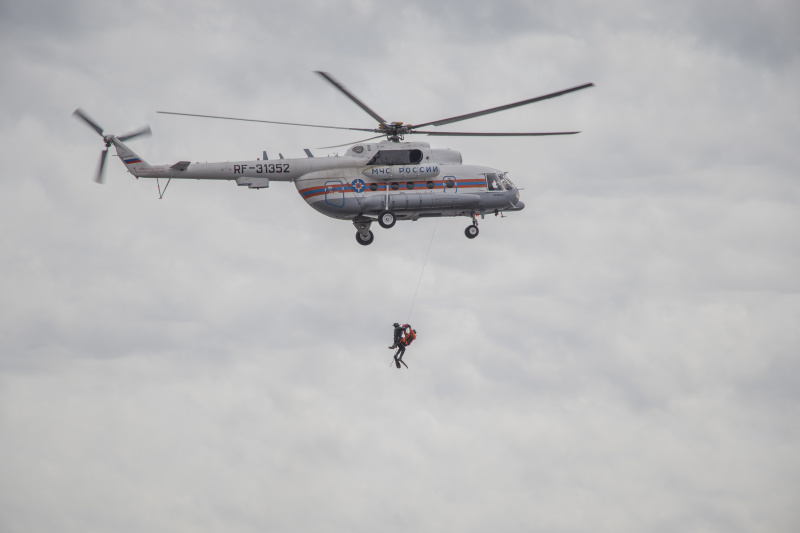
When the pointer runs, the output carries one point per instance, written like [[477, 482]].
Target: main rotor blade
[[492, 134], [266, 121], [83, 116], [137, 133], [99, 177], [351, 96], [502, 107], [348, 144]]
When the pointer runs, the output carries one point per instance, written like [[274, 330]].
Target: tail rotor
[[108, 139], [99, 177], [83, 116], [143, 131]]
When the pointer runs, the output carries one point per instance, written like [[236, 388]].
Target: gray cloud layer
[[620, 356]]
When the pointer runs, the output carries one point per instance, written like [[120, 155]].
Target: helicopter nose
[[519, 206]]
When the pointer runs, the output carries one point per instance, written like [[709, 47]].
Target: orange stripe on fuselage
[[311, 192]]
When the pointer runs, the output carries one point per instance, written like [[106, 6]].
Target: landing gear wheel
[[471, 232], [364, 240], [386, 219]]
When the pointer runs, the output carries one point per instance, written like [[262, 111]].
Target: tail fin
[[132, 161]]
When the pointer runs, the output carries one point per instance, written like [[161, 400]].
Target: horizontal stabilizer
[[180, 165]]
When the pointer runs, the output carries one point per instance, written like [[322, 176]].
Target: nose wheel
[[386, 219]]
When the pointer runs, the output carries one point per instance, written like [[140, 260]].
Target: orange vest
[[410, 336]]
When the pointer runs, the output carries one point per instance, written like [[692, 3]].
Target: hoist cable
[[423, 271]]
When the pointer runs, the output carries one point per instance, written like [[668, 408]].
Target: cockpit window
[[396, 157], [505, 182], [492, 182]]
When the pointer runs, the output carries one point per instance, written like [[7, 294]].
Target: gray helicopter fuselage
[[409, 179]]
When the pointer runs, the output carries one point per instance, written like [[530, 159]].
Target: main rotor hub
[[394, 131]]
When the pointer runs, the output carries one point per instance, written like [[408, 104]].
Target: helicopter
[[384, 181]]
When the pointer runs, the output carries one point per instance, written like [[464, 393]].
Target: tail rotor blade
[[92, 124], [99, 177], [144, 131]]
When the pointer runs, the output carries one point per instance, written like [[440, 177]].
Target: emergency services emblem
[[358, 185]]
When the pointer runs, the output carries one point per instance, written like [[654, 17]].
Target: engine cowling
[[446, 156]]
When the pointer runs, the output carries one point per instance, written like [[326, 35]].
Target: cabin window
[[430, 185], [449, 183], [373, 187], [396, 157], [410, 185], [395, 186]]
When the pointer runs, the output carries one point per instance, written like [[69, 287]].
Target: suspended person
[[398, 334], [409, 335]]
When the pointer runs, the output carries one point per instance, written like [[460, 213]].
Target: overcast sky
[[621, 356]]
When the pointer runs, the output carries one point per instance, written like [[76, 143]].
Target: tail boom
[[135, 164]]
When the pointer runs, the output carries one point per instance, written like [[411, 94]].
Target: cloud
[[618, 355]]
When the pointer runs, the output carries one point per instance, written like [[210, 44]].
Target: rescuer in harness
[[408, 336], [398, 334]]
